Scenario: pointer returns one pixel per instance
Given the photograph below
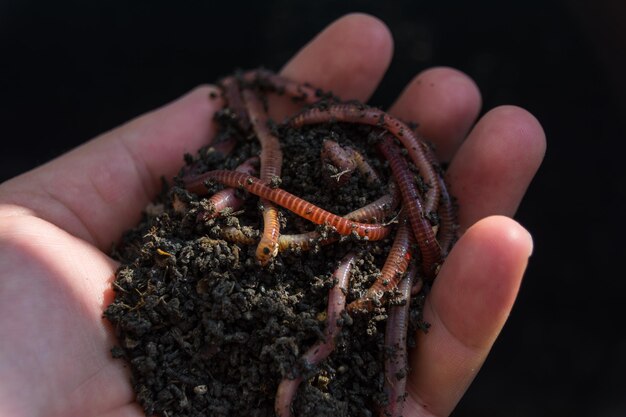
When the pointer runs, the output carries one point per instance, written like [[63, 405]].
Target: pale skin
[[58, 222]]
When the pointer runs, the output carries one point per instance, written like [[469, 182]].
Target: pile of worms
[[424, 224]]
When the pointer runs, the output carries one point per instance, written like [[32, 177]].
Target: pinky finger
[[469, 303]]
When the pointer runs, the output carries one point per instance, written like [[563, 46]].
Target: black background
[[71, 70]]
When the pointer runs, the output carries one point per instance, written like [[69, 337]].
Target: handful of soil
[[284, 270]]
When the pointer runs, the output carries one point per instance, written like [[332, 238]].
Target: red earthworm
[[302, 241], [287, 200], [396, 357], [341, 159], [271, 164], [244, 236], [232, 95], [285, 394], [336, 305], [425, 237], [364, 167], [395, 266], [281, 85], [271, 154], [417, 286], [363, 114], [375, 211], [268, 245], [227, 198], [379, 209], [323, 348], [224, 147], [346, 160], [448, 224]]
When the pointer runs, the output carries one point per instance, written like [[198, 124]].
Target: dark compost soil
[[208, 331]]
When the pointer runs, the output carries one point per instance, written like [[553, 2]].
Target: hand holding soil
[[58, 221]]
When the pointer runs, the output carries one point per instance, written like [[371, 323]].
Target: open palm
[[58, 221]]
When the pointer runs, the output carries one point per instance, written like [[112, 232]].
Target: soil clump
[[208, 331]]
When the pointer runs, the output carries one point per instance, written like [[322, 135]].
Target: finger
[[494, 166], [53, 288], [98, 190], [444, 103], [469, 303], [349, 57]]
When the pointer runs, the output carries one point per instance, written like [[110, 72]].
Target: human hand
[[58, 221]]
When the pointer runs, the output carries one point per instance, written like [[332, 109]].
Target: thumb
[[98, 190]]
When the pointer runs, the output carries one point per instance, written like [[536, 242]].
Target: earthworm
[[232, 95], [347, 160], [271, 154], [378, 209], [335, 155], [417, 286], [244, 236], [375, 211], [448, 224], [281, 85], [268, 245], [364, 167], [227, 198], [363, 114], [395, 266], [302, 241], [287, 200], [320, 350], [271, 164], [224, 147], [396, 358], [425, 237]]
